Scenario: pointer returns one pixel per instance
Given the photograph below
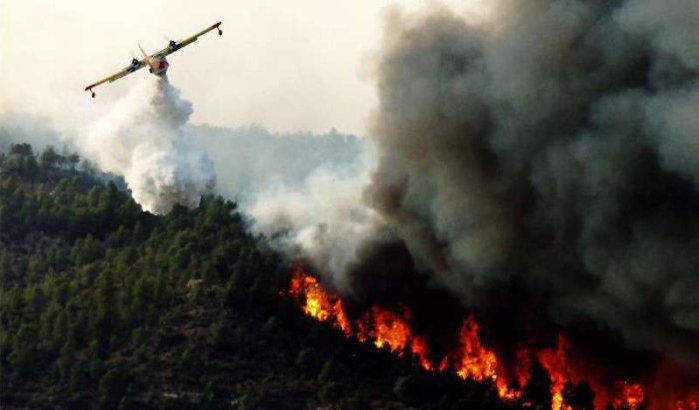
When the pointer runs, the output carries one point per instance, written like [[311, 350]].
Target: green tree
[[5, 268], [111, 388], [30, 166], [21, 149], [330, 392], [49, 158], [405, 388], [78, 377], [66, 359], [208, 397], [23, 354], [328, 372], [126, 403], [307, 360]]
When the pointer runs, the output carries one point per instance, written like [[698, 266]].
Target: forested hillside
[[103, 305]]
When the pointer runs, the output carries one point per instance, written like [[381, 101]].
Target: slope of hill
[[103, 305]]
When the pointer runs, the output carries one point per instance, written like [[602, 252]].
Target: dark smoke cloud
[[555, 146]]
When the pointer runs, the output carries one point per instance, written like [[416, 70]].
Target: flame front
[[630, 396], [475, 361], [555, 361], [471, 360], [318, 303], [387, 329], [384, 328]]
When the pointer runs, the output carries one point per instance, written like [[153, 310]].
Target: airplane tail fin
[[145, 57]]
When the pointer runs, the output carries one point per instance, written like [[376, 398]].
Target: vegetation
[[103, 305]]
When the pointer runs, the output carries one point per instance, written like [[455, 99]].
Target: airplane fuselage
[[158, 66]]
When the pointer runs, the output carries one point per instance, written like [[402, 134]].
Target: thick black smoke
[[553, 148]]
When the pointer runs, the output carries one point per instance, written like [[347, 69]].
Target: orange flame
[[392, 330], [418, 347], [383, 327], [388, 330], [475, 361], [555, 361], [318, 303], [472, 360], [629, 396]]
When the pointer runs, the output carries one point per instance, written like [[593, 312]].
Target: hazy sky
[[288, 66]]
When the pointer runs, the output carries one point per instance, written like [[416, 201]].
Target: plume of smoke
[[323, 219], [303, 191], [552, 150], [250, 160], [143, 139], [18, 127]]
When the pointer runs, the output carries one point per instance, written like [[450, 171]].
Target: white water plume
[[143, 139]]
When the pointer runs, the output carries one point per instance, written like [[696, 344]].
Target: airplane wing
[[135, 66], [187, 41]]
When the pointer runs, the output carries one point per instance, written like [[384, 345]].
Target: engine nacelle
[[133, 66]]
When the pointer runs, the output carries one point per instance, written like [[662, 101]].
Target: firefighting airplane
[[156, 62]]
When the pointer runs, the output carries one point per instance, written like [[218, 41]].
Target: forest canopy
[[103, 305]]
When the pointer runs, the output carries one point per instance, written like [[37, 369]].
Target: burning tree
[[543, 377]]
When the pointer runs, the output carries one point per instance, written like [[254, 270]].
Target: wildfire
[[318, 303], [630, 396], [479, 363], [384, 328], [688, 404], [555, 361], [388, 329], [475, 361], [418, 347], [471, 360]]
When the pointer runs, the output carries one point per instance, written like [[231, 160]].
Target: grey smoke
[[251, 159], [553, 146], [301, 190], [19, 127], [323, 219]]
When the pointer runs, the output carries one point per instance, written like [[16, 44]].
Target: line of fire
[[573, 385]]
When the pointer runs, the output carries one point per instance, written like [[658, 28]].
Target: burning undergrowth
[[536, 169], [571, 383]]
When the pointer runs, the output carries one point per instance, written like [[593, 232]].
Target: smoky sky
[[252, 159], [554, 146]]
